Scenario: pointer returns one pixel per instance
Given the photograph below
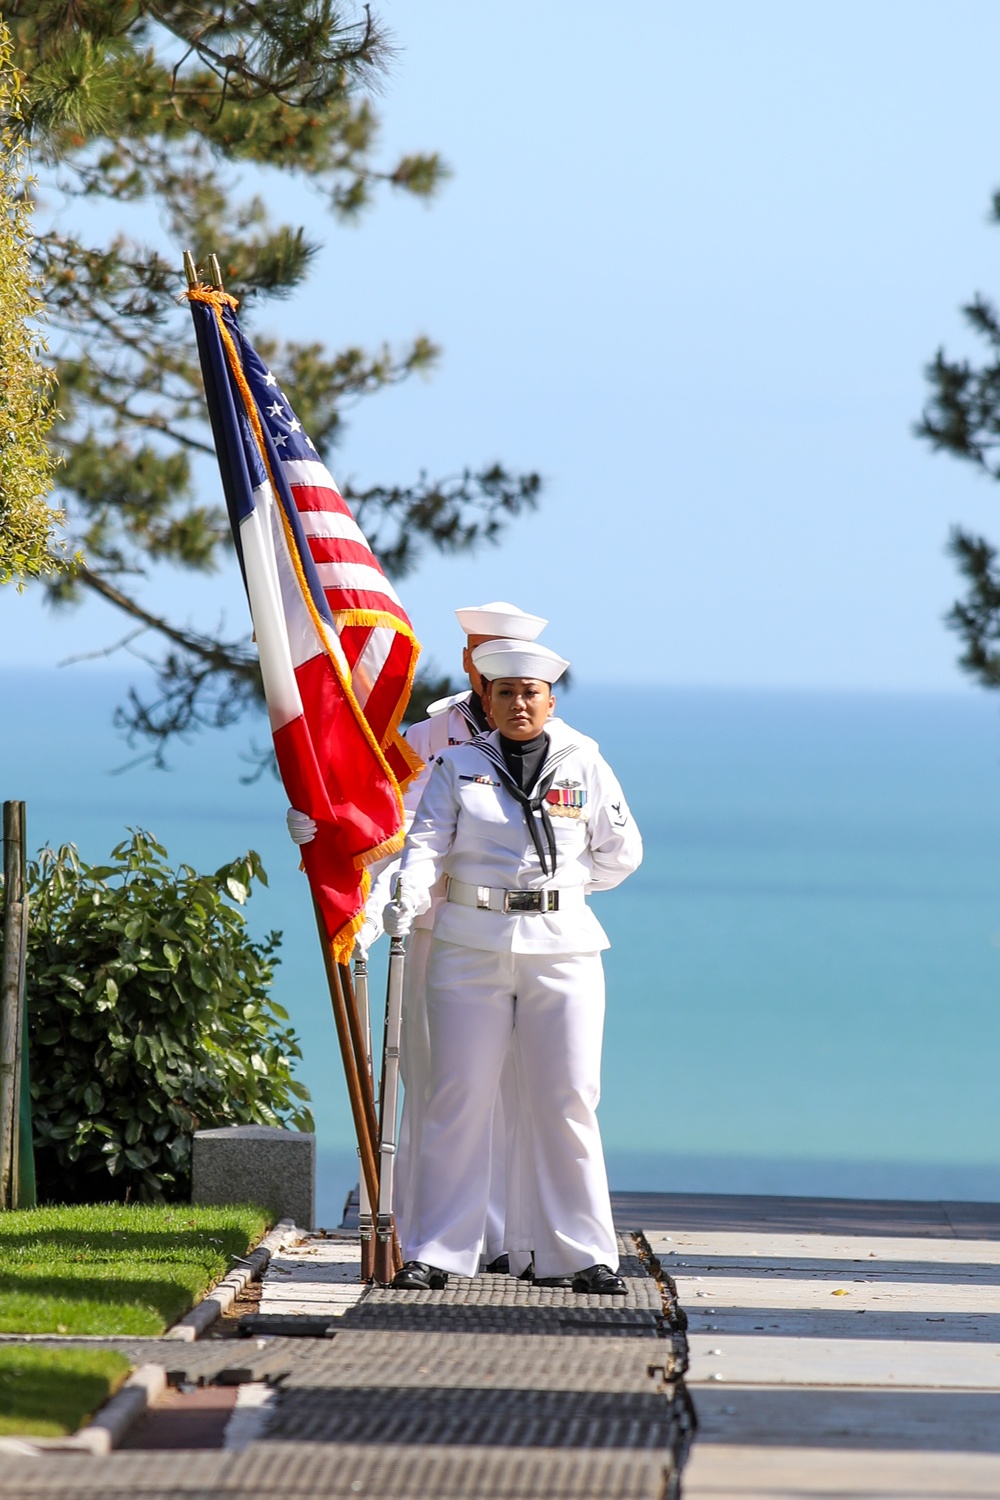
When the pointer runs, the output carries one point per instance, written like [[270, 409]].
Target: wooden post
[[362, 1101], [22, 1191], [12, 972]]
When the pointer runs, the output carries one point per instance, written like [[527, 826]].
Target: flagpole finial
[[190, 269], [215, 271]]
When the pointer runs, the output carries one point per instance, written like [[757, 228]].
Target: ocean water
[[804, 980]]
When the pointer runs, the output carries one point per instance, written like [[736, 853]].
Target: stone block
[[257, 1164]]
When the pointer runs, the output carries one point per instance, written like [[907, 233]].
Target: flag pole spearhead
[[190, 269], [215, 271]]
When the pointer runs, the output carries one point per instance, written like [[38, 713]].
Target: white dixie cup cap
[[500, 619], [495, 659]]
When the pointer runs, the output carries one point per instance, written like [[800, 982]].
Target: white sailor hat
[[500, 619], [495, 659]]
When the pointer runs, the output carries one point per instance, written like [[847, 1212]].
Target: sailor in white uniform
[[521, 823], [450, 721]]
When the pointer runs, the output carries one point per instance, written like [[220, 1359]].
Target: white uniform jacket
[[469, 827], [450, 721]]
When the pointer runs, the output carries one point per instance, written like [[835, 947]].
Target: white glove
[[301, 826], [365, 936], [397, 918]]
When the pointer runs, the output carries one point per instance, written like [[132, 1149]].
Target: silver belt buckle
[[523, 901], [483, 897]]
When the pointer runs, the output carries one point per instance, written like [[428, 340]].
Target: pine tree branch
[[213, 653], [362, 58], [976, 618]]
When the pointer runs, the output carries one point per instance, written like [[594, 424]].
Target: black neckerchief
[[520, 763], [472, 711], [535, 802]]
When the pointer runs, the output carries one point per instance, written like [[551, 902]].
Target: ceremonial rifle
[[388, 1258]]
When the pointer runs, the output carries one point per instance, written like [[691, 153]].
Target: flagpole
[[362, 1049], [362, 1101], [360, 1027]]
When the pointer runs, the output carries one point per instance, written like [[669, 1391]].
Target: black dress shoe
[[599, 1279], [563, 1281], [499, 1267], [417, 1275]]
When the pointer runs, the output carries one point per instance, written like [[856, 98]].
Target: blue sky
[[690, 266]]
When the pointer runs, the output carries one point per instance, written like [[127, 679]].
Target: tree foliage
[[962, 417], [150, 1017], [163, 104], [28, 525]]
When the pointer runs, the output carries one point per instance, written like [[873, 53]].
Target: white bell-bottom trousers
[[476, 1000], [415, 1071]]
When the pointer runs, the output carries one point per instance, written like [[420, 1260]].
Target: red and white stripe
[[353, 581]]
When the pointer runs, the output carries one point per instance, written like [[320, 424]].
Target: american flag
[[337, 651]]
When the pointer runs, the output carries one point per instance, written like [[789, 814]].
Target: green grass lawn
[[112, 1269], [49, 1392]]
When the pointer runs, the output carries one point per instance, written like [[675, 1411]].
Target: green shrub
[[150, 1017]]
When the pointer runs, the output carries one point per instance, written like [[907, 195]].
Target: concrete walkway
[[837, 1348]]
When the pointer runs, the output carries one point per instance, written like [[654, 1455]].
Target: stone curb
[[110, 1424], [221, 1297]]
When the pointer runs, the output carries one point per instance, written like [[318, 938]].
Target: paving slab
[[822, 1307], [825, 1293], [781, 1473], [775, 1316], [763, 1359], [861, 1418], [804, 1249], [319, 1275]]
